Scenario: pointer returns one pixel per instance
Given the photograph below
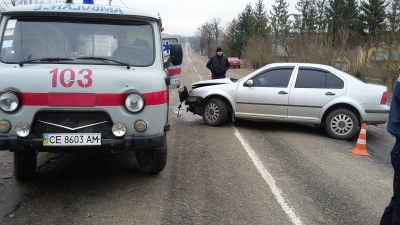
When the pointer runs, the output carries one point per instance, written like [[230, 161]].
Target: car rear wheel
[[342, 124], [25, 165], [215, 112], [152, 161]]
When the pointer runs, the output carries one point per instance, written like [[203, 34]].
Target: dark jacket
[[393, 126], [218, 66]]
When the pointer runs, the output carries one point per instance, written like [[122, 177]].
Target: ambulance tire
[[25, 165], [176, 54], [152, 161], [215, 112]]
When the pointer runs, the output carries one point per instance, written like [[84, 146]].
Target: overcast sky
[[184, 16]]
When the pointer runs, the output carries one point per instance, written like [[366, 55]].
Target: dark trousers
[[391, 215]]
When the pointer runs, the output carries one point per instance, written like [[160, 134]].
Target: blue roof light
[[88, 2]]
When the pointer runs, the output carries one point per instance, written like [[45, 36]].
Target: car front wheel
[[215, 112], [342, 124]]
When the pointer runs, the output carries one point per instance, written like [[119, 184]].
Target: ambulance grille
[[72, 120]]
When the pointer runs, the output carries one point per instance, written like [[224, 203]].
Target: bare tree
[[216, 29], [207, 33], [258, 51], [200, 44]]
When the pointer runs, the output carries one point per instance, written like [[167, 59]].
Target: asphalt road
[[248, 172]]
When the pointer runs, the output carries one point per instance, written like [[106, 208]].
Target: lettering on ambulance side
[[67, 78], [76, 7]]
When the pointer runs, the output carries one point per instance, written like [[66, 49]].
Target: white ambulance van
[[83, 78]]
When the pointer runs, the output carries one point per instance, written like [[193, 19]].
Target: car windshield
[[84, 40]]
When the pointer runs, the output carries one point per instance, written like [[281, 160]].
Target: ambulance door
[[174, 72]]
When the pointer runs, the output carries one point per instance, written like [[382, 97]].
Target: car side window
[[333, 82], [312, 78], [273, 78]]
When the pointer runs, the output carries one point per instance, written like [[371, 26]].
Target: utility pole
[[109, 2]]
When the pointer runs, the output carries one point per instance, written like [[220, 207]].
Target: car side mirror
[[249, 83]]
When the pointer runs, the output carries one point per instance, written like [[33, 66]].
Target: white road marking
[[268, 179], [197, 73]]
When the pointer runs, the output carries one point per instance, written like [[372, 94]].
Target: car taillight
[[384, 98]]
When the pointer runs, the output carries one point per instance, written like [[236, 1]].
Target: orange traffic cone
[[361, 146]]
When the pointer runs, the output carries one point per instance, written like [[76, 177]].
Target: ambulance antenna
[[159, 17]]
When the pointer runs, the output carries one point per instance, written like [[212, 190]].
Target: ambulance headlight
[[119, 129], [9, 102], [134, 102], [23, 129]]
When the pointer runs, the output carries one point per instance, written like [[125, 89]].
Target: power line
[[123, 3]]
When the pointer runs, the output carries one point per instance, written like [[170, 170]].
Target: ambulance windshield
[[26, 39]]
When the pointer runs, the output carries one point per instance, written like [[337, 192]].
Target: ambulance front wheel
[[153, 161], [25, 165]]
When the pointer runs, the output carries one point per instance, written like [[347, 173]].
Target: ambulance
[[84, 78], [173, 70]]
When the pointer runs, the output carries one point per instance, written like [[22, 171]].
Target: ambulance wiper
[[48, 59], [106, 59]]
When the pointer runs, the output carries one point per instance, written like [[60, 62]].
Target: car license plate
[[71, 139]]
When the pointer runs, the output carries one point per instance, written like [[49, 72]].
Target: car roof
[[81, 9], [299, 64], [316, 65]]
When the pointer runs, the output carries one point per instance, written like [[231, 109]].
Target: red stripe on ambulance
[[174, 71], [88, 99]]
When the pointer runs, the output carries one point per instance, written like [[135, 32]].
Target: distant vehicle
[[234, 61], [174, 71], [293, 92]]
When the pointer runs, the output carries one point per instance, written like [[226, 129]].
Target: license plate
[[71, 139], [174, 81]]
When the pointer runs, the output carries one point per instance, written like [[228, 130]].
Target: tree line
[[321, 32]]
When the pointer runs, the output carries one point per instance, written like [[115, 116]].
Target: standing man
[[218, 64], [391, 215]]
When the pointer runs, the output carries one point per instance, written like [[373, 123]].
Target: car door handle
[[282, 92], [329, 93]]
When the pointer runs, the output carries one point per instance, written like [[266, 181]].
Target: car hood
[[213, 82]]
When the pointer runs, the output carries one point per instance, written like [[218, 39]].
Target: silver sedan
[[293, 92]]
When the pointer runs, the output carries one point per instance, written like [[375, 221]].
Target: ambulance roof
[[80, 9]]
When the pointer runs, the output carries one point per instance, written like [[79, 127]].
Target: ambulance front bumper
[[127, 143]]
